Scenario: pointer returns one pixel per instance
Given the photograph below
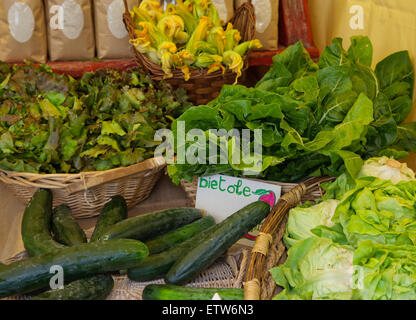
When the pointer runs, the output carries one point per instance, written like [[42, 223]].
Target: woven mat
[[222, 274]]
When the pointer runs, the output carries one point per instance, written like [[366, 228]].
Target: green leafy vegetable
[[53, 123], [317, 119], [318, 269]]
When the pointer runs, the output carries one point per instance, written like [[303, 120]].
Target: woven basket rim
[[143, 165], [74, 182], [155, 71]]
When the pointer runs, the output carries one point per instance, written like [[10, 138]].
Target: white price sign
[[220, 196]]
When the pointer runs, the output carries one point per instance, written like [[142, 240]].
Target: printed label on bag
[[73, 19], [21, 22], [115, 19], [220, 196]]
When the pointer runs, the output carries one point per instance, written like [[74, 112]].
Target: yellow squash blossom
[[186, 72], [216, 37], [139, 15], [200, 34], [204, 60], [188, 18], [214, 15], [215, 67], [232, 37], [182, 60], [152, 7], [242, 48], [172, 26], [183, 57], [234, 62], [166, 51]]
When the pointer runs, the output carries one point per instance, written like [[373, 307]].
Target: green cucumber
[[100, 286], [152, 224], [66, 230], [113, 212], [93, 288], [171, 239], [172, 292], [157, 266], [36, 225], [218, 239], [77, 262]]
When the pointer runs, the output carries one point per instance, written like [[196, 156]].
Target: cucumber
[[113, 212], [36, 225], [168, 240], [100, 286], [93, 288], [152, 224], [157, 266], [218, 239], [172, 292], [78, 262], [66, 230]]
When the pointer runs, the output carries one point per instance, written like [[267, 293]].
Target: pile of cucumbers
[[174, 244]]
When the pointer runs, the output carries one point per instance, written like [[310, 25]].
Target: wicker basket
[[191, 187], [269, 250], [87, 192], [201, 87]]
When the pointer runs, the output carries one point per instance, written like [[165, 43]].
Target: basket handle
[[253, 285], [244, 20]]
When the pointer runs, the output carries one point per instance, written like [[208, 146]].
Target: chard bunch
[[188, 35]]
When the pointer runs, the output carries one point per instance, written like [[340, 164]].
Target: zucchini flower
[[185, 71], [232, 37], [200, 8], [188, 18], [211, 61], [214, 15], [242, 48], [205, 47], [200, 34], [182, 60], [144, 46], [216, 37], [139, 15], [172, 26], [215, 67], [166, 51], [234, 62], [147, 31], [152, 7], [184, 57], [205, 60]]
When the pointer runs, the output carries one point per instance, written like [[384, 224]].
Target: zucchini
[[36, 225], [113, 212], [168, 240], [172, 292], [93, 288], [100, 286], [78, 262], [152, 224], [66, 230], [157, 266], [218, 239]]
